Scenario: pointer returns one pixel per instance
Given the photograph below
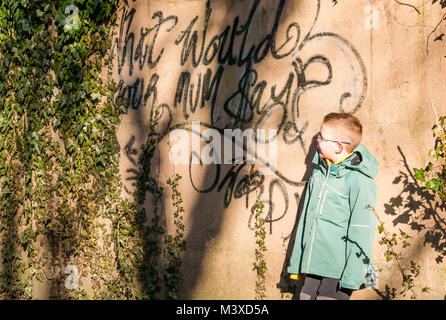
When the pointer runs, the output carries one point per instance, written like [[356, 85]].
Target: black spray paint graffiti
[[216, 45], [245, 106], [143, 53], [130, 153]]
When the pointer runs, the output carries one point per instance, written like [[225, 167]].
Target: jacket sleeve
[[296, 256], [361, 232]]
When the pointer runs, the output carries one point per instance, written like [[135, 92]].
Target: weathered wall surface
[[280, 65]]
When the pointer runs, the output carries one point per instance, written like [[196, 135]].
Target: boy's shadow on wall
[[285, 284]]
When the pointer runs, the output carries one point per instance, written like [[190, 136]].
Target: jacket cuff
[[348, 285]]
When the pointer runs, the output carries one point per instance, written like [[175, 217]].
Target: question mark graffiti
[[72, 281], [72, 21]]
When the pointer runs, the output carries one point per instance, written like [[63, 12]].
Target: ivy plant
[[60, 188]]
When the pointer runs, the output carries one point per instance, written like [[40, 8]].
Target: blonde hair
[[350, 128]]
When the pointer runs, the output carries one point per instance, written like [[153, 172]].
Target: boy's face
[[328, 149]]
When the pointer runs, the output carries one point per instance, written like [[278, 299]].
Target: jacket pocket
[[334, 208]]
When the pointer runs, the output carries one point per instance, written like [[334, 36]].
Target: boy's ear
[[340, 148]]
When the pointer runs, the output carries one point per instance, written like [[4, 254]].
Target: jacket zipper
[[315, 220]]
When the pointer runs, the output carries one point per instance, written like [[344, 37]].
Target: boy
[[336, 229]]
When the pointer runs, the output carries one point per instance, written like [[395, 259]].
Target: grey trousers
[[321, 288]]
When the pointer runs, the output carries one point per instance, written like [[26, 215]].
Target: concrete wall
[[306, 58]]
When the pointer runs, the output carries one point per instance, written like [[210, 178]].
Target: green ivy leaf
[[380, 228], [419, 175]]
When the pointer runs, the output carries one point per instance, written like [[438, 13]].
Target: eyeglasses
[[321, 138]]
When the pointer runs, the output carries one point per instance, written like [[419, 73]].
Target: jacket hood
[[361, 160]]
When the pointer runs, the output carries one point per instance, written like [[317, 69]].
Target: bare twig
[[435, 112], [435, 29], [409, 5], [437, 118]]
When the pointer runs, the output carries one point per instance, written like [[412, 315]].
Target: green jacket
[[336, 229]]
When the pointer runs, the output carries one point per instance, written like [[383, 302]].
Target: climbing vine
[[408, 268], [175, 244], [260, 262], [150, 247], [62, 218], [434, 174]]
